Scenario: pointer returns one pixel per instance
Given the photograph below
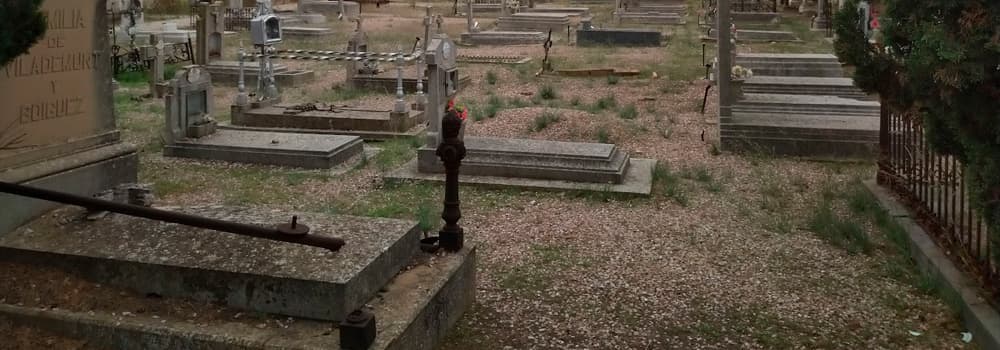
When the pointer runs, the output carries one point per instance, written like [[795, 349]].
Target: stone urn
[[736, 88]]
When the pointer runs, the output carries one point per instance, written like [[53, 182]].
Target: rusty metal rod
[[271, 233]]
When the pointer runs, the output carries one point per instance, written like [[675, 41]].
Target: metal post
[[725, 58], [293, 232], [451, 151]]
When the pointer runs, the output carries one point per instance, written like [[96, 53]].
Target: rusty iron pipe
[[271, 233]]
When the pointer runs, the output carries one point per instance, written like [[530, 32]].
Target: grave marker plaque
[[56, 99]]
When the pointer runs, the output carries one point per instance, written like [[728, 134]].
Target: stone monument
[[57, 119], [210, 27]]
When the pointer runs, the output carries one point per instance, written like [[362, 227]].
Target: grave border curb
[[976, 313]]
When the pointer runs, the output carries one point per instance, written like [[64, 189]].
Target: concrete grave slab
[[536, 159], [387, 81], [807, 105], [245, 273], [228, 73], [638, 180], [312, 151], [418, 308], [306, 32], [503, 38], [618, 37], [842, 87], [366, 123]]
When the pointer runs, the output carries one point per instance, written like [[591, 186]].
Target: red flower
[[462, 112]]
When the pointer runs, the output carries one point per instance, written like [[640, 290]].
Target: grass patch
[[603, 103], [575, 102], [547, 92], [669, 184], [540, 269], [613, 79], [544, 120], [628, 112], [396, 152], [603, 136], [841, 232], [491, 78]]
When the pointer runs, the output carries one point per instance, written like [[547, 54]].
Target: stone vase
[[736, 88]]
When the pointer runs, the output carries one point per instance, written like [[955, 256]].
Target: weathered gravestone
[[191, 133], [57, 121]]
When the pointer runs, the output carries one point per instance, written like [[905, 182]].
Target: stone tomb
[[368, 124], [473, 36], [802, 65], [361, 75], [535, 22], [57, 127], [191, 133], [415, 307], [587, 35], [331, 8], [635, 11], [522, 162]]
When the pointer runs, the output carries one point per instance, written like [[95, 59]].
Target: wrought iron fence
[[933, 186], [238, 19], [126, 59]]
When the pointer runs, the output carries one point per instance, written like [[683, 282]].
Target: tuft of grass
[[491, 78], [669, 184], [547, 92], [628, 112], [613, 79], [544, 120], [603, 103], [575, 102], [516, 102], [603, 136], [426, 218], [844, 233], [395, 152]]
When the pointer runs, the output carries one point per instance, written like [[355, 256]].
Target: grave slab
[[536, 159], [418, 308], [638, 180], [330, 8], [243, 272], [369, 124], [306, 32], [311, 151], [618, 37], [387, 81], [806, 105], [842, 87], [228, 73], [503, 38]]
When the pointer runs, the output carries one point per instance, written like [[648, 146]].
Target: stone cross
[[439, 21]]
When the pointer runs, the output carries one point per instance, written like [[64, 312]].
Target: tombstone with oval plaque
[[57, 121]]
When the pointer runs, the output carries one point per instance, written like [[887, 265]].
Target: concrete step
[[840, 137], [806, 105], [842, 87]]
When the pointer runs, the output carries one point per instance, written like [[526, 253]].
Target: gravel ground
[[720, 257]]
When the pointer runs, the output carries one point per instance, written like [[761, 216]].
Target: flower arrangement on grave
[[741, 73], [462, 112]]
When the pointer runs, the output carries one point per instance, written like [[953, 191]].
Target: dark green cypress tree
[[939, 63], [21, 26]]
